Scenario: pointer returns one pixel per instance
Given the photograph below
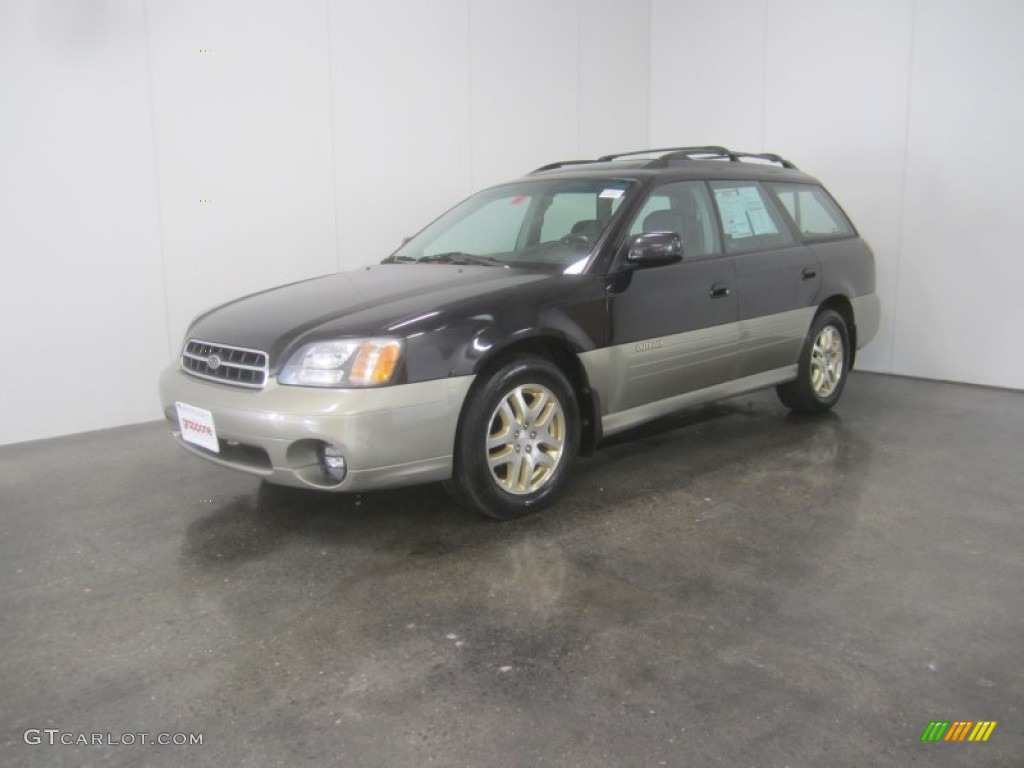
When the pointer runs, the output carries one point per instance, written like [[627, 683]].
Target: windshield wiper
[[458, 257], [398, 257]]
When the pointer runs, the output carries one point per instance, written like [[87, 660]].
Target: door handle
[[719, 291], [809, 273]]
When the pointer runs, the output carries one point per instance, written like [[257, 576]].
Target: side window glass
[[682, 207], [655, 202], [749, 221], [812, 210]]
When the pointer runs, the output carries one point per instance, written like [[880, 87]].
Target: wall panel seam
[[579, 76], [903, 191], [650, 71], [156, 184], [469, 92], [332, 96], [764, 77]]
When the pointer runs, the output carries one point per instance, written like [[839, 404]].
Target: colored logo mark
[[958, 730]]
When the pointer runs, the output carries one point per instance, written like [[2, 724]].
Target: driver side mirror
[[653, 249]]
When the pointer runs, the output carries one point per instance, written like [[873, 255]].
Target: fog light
[[333, 462]]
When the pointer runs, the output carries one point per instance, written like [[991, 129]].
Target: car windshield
[[547, 224]]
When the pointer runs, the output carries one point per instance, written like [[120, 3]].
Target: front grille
[[230, 365]]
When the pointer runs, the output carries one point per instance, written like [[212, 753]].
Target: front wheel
[[824, 361], [517, 436]]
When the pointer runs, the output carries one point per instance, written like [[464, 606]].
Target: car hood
[[390, 299]]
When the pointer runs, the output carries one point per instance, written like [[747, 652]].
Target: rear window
[[813, 211]]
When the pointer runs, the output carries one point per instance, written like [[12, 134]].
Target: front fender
[[575, 319]]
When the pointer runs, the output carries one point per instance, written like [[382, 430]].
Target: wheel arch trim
[[841, 304], [560, 350]]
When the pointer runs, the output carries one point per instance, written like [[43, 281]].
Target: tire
[[518, 434], [824, 362]]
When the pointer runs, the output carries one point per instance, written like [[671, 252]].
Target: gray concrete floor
[[738, 587]]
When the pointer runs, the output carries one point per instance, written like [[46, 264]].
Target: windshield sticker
[[612, 194], [518, 199]]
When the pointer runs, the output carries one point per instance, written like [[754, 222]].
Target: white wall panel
[[838, 108], [524, 86], [322, 130], [614, 63], [894, 104], [400, 79], [167, 155], [959, 313], [82, 332], [707, 72], [242, 112]]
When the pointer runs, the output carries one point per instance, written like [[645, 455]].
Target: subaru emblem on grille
[[213, 362]]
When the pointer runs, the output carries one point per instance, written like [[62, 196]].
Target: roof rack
[[667, 155], [561, 164], [680, 151]]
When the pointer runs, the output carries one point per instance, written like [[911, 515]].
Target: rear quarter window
[[812, 210]]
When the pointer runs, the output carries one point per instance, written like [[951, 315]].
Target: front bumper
[[390, 436]]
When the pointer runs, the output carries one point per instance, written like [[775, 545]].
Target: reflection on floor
[[735, 587]]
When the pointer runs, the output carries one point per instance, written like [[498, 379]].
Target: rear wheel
[[824, 361], [517, 436]]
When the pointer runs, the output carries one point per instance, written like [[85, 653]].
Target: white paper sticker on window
[[757, 214], [734, 214], [612, 193]]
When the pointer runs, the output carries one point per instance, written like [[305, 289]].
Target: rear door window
[[750, 221]]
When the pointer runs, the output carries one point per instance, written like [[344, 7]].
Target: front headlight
[[348, 363]]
